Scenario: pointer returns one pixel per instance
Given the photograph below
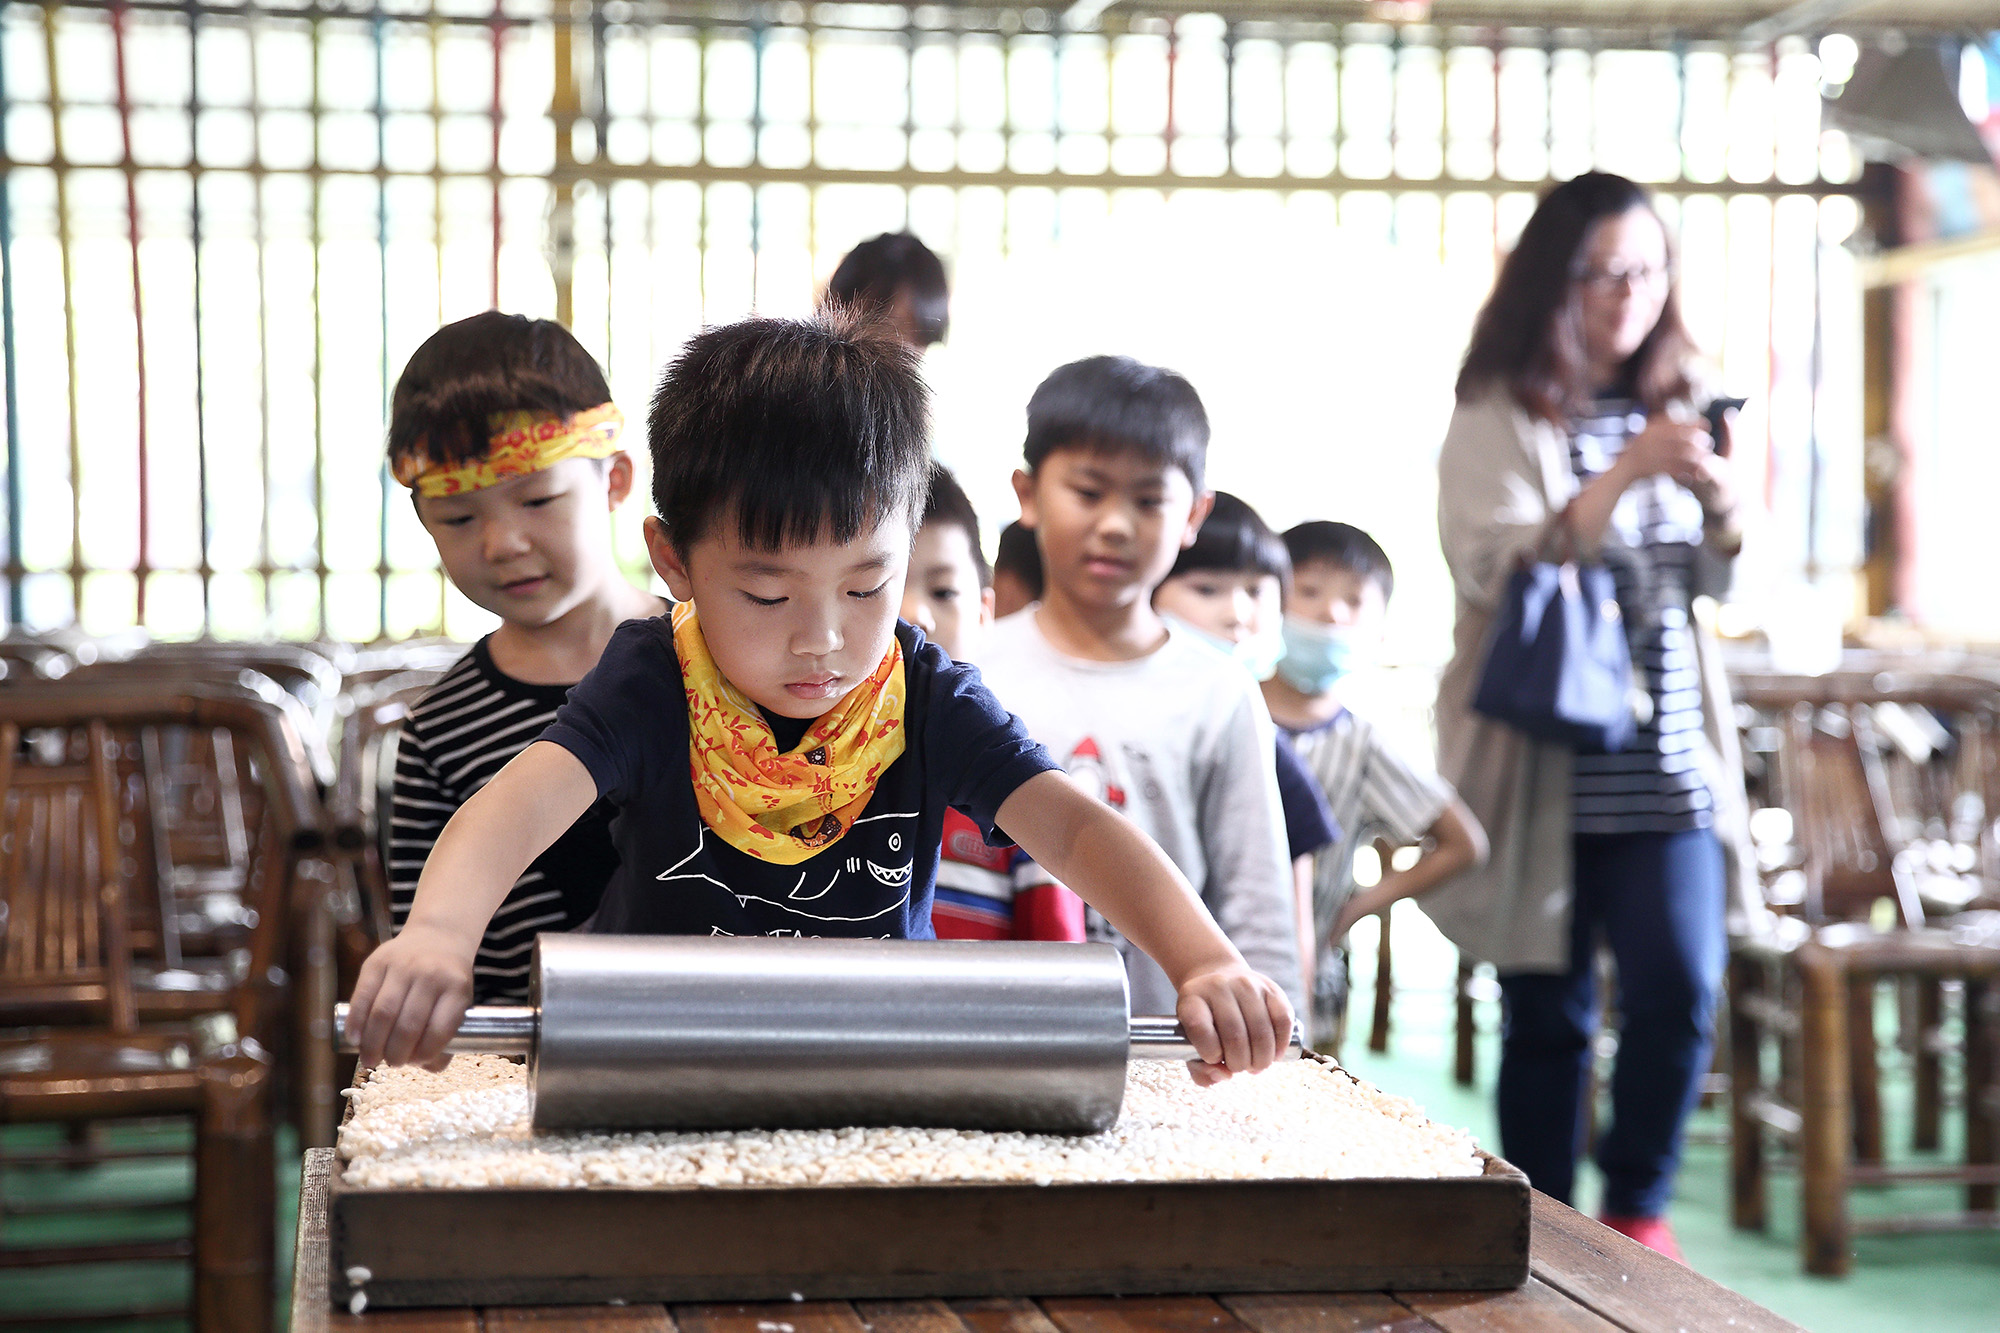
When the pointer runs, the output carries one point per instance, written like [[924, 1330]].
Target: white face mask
[[1258, 655]]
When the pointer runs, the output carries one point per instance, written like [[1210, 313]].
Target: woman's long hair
[[1529, 334]]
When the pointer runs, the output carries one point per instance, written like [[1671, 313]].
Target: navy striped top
[[1654, 785]]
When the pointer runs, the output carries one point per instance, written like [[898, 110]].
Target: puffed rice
[[467, 1127]]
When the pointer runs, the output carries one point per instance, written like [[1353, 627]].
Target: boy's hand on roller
[[410, 998], [1237, 1020]]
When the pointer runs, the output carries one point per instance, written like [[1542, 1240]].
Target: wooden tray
[[739, 1243]]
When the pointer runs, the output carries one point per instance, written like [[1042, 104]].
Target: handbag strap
[[1557, 543]]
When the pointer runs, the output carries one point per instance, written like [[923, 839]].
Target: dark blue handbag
[[1558, 666]]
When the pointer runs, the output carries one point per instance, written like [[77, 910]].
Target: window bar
[[1229, 98], [600, 189], [1395, 131], [266, 567], [206, 570], [60, 164], [812, 147], [499, 31], [1680, 49], [317, 241], [757, 36], [909, 120], [11, 373], [563, 109], [145, 471], [1055, 137], [1493, 204], [1173, 60], [701, 157], [434, 31], [376, 25], [436, 35]]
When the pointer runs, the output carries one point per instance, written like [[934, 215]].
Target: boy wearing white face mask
[[1335, 610], [1229, 590]]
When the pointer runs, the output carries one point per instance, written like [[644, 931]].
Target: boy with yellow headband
[[503, 429], [782, 750]]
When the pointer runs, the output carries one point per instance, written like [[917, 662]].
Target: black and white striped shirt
[[1373, 792], [458, 736], [1654, 785]]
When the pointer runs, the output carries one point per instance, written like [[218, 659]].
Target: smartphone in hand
[[1713, 414]]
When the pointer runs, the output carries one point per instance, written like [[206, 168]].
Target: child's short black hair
[[1343, 546], [1019, 556], [874, 271], [1235, 540], [468, 372], [1115, 404], [804, 429], [948, 504]]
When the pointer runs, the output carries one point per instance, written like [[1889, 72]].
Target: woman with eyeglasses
[[1576, 430]]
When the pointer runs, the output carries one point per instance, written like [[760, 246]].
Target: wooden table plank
[[1535, 1308], [1002, 1314], [1140, 1314], [1310, 1312], [1632, 1286], [310, 1303], [405, 1321], [770, 1317], [579, 1319], [928, 1316]]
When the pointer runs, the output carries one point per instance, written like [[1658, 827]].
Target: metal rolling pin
[[674, 1032]]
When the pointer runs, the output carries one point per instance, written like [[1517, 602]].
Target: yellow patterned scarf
[[777, 807], [522, 442]]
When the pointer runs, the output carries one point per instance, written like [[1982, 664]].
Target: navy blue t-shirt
[[1309, 823], [627, 723]]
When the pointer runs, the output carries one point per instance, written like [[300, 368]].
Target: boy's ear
[[667, 562], [986, 603], [1024, 492], [1196, 517], [618, 478]]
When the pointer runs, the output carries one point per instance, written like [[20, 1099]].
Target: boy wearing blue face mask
[[1334, 615]]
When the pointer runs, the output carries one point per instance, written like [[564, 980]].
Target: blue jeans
[[1657, 900]]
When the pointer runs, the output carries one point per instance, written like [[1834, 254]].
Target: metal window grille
[[224, 226]]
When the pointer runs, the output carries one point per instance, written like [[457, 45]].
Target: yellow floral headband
[[522, 443]]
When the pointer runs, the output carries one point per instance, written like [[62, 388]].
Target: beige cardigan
[[1502, 477]]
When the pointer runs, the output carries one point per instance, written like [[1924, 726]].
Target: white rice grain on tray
[[467, 1128]]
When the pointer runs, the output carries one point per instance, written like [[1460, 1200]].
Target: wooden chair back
[[64, 949], [362, 790], [286, 823], [1860, 780]]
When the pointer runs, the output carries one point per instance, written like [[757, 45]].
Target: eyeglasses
[[1610, 279]]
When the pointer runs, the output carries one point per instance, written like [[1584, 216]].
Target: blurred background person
[[1576, 429]]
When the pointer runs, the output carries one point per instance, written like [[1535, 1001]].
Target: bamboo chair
[[359, 804], [280, 890], [1809, 977], [67, 955]]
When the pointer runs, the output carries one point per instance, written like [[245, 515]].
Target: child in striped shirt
[[1334, 615], [503, 429]]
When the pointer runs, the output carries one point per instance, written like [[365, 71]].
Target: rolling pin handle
[[492, 1029], [1161, 1038]]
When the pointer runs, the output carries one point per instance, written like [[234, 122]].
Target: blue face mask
[[1316, 655], [1258, 655]]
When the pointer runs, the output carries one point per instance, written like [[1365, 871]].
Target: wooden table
[[1585, 1279]]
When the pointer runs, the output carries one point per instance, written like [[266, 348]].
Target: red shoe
[[1651, 1232]]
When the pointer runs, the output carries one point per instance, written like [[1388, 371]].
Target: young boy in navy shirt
[[781, 750]]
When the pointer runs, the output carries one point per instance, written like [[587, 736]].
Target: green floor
[[1940, 1284], [1936, 1283]]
